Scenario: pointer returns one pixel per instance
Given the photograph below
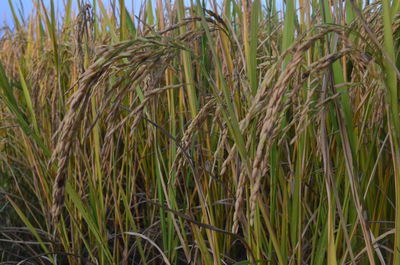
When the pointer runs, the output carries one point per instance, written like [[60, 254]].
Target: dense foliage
[[226, 132]]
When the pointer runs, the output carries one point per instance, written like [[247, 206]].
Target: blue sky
[[28, 6]]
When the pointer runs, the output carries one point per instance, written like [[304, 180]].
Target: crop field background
[[200, 132]]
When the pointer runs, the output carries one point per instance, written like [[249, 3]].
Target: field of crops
[[192, 132]]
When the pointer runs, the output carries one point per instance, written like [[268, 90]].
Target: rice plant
[[201, 132]]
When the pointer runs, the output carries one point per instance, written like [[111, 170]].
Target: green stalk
[[187, 66], [394, 128], [16, 20], [288, 28], [108, 21], [123, 21], [252, 56], [28, 100]]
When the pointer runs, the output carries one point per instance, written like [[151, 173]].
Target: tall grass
[[220, 132]]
